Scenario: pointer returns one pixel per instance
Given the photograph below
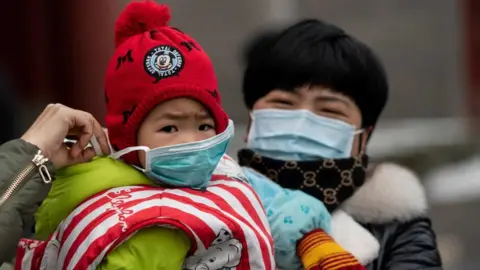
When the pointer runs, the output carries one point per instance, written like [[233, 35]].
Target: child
[[163, 117]]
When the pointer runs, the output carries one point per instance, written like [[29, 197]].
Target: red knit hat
[[152, 63]]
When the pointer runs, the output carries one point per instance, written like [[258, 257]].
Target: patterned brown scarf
[[332, 181]]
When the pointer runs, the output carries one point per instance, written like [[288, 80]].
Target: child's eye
[[205, 127], [169, 129]]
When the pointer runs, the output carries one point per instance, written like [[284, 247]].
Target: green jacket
[[16, 213], [150, 248]]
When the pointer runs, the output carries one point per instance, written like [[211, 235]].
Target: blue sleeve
[[291, 214], [264, 187]]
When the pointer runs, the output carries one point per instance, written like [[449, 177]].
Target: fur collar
[[392, 193], [354, 238]]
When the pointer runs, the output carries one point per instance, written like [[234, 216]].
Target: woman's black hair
[[312, 52]]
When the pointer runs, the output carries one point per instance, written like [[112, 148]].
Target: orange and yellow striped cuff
[[317, 250]]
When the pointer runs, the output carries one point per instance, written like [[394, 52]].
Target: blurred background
[[57, 51]]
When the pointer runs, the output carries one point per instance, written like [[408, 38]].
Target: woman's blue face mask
[[299, 135]]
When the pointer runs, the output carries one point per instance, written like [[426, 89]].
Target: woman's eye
[[283, 102], [331, 111], [169, 129], [205, 127]]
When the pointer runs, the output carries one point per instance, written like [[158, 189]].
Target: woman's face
[[321, 101]]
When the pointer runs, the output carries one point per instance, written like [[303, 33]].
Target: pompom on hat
[[152, 63]]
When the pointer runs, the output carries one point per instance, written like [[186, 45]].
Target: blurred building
[[57, 51]]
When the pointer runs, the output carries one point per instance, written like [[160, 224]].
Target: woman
[[27, 170], [315, 94]]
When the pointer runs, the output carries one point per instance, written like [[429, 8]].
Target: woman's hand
[[54, 124]]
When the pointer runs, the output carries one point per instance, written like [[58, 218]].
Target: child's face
[[175, 121]]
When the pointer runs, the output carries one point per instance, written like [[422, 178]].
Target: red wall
[[471, 13], [57, 50]]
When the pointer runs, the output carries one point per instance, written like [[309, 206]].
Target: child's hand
[[291, 215], [318, 251]]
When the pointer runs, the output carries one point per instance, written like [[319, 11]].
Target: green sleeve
[[16, 214], [150, 248]]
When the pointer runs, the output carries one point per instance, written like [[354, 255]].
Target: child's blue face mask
[[299, 135], [184, 165]]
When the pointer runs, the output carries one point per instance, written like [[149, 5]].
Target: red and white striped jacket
[[227, 222]]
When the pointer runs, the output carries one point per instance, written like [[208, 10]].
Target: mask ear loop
[[93, 143], [360, 142], [96, 146], [361, 133], [119, 154]]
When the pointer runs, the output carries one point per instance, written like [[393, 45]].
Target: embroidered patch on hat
[[163, 61]]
